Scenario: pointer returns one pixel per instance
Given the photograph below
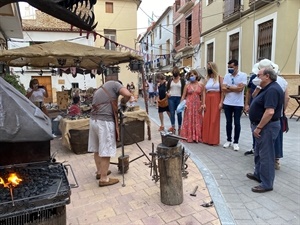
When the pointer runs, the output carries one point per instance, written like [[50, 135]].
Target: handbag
[[163, 102], [284, 123]]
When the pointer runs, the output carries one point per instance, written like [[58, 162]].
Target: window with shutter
[[110, 34], [210, 52], [109, 7], [234, 46], [264, 48]]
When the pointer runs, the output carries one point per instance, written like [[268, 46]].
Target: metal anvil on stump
[[169, 154]]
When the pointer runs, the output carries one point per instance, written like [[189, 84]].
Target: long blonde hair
[[215, 74]]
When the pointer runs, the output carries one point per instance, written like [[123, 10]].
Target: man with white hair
[[268, 64], [264, 114]]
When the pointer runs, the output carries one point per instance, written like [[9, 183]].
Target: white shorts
[[102, 138]]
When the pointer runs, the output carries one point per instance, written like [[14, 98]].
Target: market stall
[[64, 54]]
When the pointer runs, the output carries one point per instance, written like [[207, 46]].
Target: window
[[264, 48], [75, 85], [168, 20], [159, 31], [231, 8], [168, 52], [109, 7], [177, 5], [210, 52], [188, 31], [110, 34], [208, 2], [177, 35], [234, 46]]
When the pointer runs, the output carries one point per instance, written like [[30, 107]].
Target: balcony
[[187, 6], [232, 10], [258, 3]]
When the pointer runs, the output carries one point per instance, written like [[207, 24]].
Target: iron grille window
[[234, 46], [110, 34], [210, 52], [177, 35], [264, 45]]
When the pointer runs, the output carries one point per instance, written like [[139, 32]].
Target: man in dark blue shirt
[[264, 114]]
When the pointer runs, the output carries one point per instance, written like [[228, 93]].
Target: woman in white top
[[36, 94], [175, 88], [212, 105], [151, 92]]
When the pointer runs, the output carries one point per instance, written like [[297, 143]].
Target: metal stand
[[125, 158]]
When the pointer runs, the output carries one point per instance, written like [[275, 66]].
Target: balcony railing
[[231, 9], [186, 6], [259, 3]]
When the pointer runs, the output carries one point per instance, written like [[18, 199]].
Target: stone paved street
[[219, 173]]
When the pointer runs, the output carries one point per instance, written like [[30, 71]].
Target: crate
[[79, 141], [134, 131]]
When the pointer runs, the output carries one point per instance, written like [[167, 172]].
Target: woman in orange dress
[[212, 105], [192, 121]]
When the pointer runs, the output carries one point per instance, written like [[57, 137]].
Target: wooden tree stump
[[169, 165]]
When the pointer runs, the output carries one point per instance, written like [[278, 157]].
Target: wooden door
[[45, 81]]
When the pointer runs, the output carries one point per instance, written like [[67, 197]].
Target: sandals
[[172, 130], [161, 128]]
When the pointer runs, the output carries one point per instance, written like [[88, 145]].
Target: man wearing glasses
[[264, 114], [233, 87]]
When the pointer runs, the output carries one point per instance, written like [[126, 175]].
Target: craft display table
[[134, 127], [297, 98]]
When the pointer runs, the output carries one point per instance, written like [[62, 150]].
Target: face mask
[[230, 70], [209, 71], [256, 81], [192, 78]]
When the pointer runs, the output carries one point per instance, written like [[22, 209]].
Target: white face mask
[[256, 81]]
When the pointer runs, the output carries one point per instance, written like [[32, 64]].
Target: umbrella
[[64, 54]]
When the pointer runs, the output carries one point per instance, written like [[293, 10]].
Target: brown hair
[[32, 82], [176, 70]]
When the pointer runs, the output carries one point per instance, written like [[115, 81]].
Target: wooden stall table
[[134, 123], [134, 130], [66, 125], [297, 98]]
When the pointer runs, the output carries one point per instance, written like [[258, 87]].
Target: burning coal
[[12, 181]]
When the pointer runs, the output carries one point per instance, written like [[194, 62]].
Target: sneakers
[[227, 144], [250, 152], [236, 147], [277, 164]]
